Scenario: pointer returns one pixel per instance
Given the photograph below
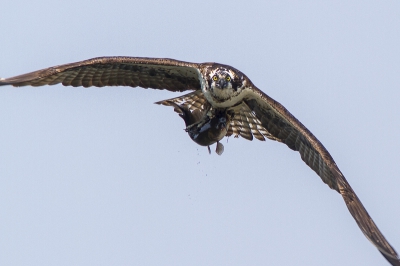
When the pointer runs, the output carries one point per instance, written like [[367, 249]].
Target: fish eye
[[228, 78], [215, 78]]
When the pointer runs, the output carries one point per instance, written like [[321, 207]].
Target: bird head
[[221, 79], [224, 82]]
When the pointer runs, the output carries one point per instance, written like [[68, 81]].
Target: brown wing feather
[[192, 101], [282, 125], [156, 73], [245, 124]]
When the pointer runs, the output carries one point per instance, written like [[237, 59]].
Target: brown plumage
[[218, 88], [161, 74]]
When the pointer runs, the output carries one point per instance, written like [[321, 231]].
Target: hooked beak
[[221, 83]]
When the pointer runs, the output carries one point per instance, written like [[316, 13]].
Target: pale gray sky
[[102, 176]]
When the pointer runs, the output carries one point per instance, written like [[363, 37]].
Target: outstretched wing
[[156, 73], [282, 126]]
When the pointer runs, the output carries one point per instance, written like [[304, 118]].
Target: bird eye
[[215, 78], [228, 78]]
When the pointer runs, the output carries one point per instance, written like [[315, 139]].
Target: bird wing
[[244, 123], [191, 101], [282, 126], [155, 73]]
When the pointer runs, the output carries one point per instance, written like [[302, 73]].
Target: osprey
[[223, 102]]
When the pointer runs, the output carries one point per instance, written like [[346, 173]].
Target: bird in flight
[[222, 102]]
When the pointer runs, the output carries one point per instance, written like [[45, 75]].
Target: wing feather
[[284, 127], [192, 101], [245, 130], [156, 73], [246, 124]]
